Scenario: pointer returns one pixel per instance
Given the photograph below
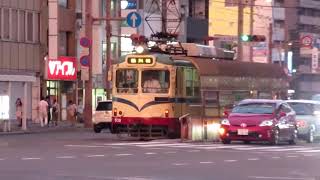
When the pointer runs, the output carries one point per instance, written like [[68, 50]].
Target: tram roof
[[210, 67]]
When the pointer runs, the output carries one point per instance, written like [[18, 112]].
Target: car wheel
[[310, 136], [96, 129], [226, 141], [293, 140], [275, 137]]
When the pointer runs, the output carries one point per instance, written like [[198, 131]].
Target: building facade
[[22, 46]]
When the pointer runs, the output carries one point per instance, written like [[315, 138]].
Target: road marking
[[275, 157], [180, 164], [96, 155], [230, 160], [194, 151], [253, 159], [170, 152], [65, 157], [24, 159], [132, 144], [279, 178], [289, 149], [292, 156], [86, 146], [308, 155], [257, 148], [150, 153], [224, 147], [2, 159], [206, 162], [310, 151], [123, 154]]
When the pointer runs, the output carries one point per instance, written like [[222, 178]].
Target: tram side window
[[192, 82], [127, 81], [155, 81]]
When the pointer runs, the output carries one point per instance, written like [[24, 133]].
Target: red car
[[260, 120]]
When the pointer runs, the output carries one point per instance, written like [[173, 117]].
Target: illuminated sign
[[63, 68], [140, 60]]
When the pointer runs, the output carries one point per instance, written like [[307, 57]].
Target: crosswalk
[[165, 144]]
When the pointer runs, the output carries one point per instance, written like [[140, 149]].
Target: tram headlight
[[140, 49], [166, 113], [115, 111]]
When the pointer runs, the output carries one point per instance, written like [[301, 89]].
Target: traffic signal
[[253, 38]]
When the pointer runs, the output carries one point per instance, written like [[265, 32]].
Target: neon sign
[[63, 68]]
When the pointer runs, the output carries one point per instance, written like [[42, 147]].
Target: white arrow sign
[[134, 18]]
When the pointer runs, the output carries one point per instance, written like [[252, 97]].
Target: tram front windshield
[[127, 81], [155, 81]]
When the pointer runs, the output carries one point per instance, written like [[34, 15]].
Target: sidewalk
[[36, 128]]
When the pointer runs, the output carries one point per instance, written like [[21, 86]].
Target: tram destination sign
[[140, 60]]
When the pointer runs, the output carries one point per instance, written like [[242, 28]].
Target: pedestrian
[[19, 111], [43, 112], [55, 112], [72, 112], [49, 109]]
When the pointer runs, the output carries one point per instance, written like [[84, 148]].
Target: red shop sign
[[63, 68]]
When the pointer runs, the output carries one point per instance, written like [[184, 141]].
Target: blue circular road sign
[[134, 19], [84, 60], [85, 42]]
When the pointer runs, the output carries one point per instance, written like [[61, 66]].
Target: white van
[[102, 116]]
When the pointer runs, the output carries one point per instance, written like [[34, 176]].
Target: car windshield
[[254, 108], [304, 108], [104, 106]]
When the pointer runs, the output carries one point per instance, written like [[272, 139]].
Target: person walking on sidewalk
[[19, 111], [72, 112], [49, 109], [55, 112], [43, 112]]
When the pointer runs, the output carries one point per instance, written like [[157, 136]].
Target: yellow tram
[[152, 90]]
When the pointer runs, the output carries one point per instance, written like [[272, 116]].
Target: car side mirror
[[226, 113]]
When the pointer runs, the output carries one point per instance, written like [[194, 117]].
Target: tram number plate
[[243, 132], [117, 120]]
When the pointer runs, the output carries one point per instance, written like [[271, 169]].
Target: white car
[[102, 116]]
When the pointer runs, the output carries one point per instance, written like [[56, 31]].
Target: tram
[[151, 91]]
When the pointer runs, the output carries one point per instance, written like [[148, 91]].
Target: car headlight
[[225, 122], [266, 123]]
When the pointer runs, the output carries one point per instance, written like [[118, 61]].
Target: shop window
[[63, 3], [22, 26], [14, 24], [6, 23], [30, 26]]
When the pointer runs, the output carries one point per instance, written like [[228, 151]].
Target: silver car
[[308, 118]]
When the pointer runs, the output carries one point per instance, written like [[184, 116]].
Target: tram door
[[179, 91]]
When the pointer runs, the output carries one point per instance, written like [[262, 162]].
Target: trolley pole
[[88, 83], [240, 30]]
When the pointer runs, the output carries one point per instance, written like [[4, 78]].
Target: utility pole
[[108, 43], [240, 30], [88, 83], [270, 43], [251, 28]]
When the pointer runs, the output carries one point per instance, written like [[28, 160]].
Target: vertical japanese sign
[[315, 60]]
